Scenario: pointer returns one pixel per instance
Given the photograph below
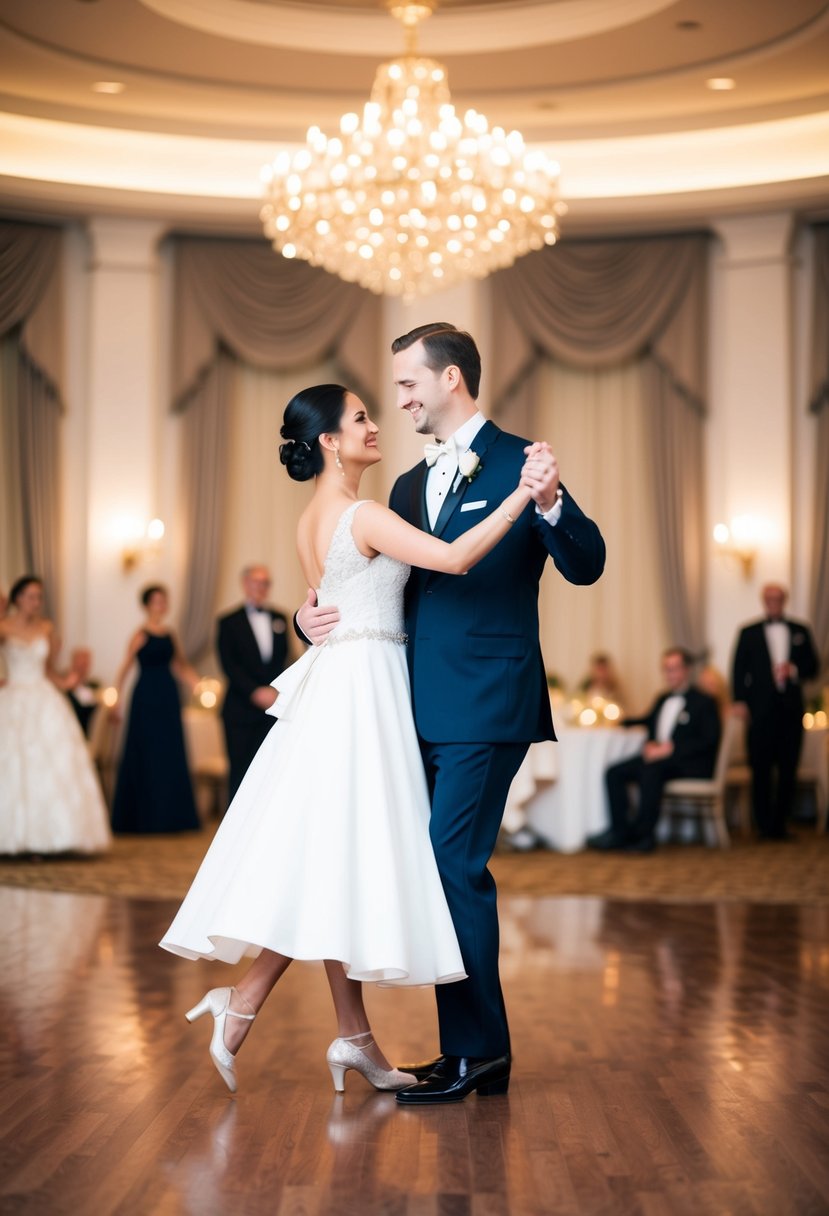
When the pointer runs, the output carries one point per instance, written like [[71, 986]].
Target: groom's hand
[[540, 475], [315, 622]]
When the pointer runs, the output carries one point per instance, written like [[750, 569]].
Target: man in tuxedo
[[772, 658], [252, 643], [479, 689], [683, 727], [83, 692]]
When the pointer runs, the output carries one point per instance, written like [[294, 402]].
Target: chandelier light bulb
[[409, 196]]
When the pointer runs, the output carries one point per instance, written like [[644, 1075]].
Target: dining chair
[[704, 797]]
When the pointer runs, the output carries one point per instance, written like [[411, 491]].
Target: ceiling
[[616, 89]]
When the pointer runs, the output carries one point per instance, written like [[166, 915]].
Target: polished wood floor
[[669, 1059]]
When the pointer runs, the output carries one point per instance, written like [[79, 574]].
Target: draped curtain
[[598, 304], [597, 421], [31, 332], [237, 301], [819, 405]]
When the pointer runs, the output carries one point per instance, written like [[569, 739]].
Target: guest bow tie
[[432, 451]]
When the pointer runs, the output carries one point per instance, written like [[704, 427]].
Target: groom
[[479, 690]]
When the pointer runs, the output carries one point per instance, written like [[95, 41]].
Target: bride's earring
[[338, 462]]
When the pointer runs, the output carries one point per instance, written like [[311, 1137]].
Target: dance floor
[[669, 1058]]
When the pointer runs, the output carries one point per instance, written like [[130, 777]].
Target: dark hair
[[310, 413], [21, 585], [446, 345], [148, 592], [687, 658]]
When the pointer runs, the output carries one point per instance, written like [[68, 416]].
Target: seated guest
[[601, 680], [712, 681], [683, 736], [84, 694]]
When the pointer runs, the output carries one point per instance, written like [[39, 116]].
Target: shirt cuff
[[552, 516]]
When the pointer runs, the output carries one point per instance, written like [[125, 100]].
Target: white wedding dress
[[50, 798], [325, 851]]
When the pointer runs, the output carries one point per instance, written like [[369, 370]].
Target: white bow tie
[[432, 451]]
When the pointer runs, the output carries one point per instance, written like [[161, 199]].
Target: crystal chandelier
[[411, 197]]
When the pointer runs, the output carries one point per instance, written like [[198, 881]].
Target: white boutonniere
[[469, 465]]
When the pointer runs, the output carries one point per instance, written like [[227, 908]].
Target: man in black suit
[[772, 658], [83, 692], [683, 736], [253, 649]]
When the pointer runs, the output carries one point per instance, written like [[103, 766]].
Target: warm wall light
[[741, 540], [139, 542]]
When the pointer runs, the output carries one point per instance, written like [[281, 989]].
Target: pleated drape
[[819, 404], [236, 300], [31, 316], [602, 303]]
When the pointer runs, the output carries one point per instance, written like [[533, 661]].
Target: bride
[[51, 800], [325, 851]]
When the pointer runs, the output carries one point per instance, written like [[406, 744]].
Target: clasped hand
[[540, 475]]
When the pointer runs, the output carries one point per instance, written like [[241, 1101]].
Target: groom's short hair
[[446, 345]]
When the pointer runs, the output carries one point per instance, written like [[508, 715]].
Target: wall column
[[122, 417], [750, 428]]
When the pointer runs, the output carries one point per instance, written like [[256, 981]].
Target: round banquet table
[[559, 789]]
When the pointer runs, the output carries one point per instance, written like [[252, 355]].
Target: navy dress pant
[[468, 787]]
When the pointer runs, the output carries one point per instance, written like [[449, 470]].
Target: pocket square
[[473, 506]]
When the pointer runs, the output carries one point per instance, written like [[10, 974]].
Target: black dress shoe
[[643, 844], [455, 1077], [611, 839], [424, 1068]]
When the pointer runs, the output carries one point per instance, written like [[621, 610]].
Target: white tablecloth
[[559, 788]]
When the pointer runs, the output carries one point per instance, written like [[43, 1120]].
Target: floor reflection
[[704, 1016]]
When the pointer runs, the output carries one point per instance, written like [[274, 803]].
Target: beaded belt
[[369, 635]]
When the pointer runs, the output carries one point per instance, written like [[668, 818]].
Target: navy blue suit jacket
[[474, 655]]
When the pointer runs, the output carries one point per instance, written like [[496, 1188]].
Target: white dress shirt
[[672, 707], [443, 475], [778, 640], [262, 626]]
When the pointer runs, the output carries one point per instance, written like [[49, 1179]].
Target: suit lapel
[[479, 445], [417, 497]]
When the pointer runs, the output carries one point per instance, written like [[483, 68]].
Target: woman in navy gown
[[154, 792]]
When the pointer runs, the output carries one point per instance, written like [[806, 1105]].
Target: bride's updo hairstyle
[[312, 412], [20, 586]]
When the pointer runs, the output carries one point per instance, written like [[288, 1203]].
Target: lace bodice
[[367, 591], [26, 661]]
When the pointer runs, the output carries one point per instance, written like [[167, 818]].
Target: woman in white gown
[[325, 852], [50, 798]]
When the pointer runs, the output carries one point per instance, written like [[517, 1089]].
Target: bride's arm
[[376, 527]]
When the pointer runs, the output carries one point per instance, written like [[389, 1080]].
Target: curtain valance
[[270, 312], [602, 303]]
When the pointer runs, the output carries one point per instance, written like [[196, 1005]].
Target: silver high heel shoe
[[343, 1054], [217, 1002]]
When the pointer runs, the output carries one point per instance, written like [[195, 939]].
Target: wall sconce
[[138, 542], [741, 540]]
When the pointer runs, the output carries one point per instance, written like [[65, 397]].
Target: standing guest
[[683, 727], [153, 792], [84, 693], [50, 799], [772, 658], [253, 649]]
